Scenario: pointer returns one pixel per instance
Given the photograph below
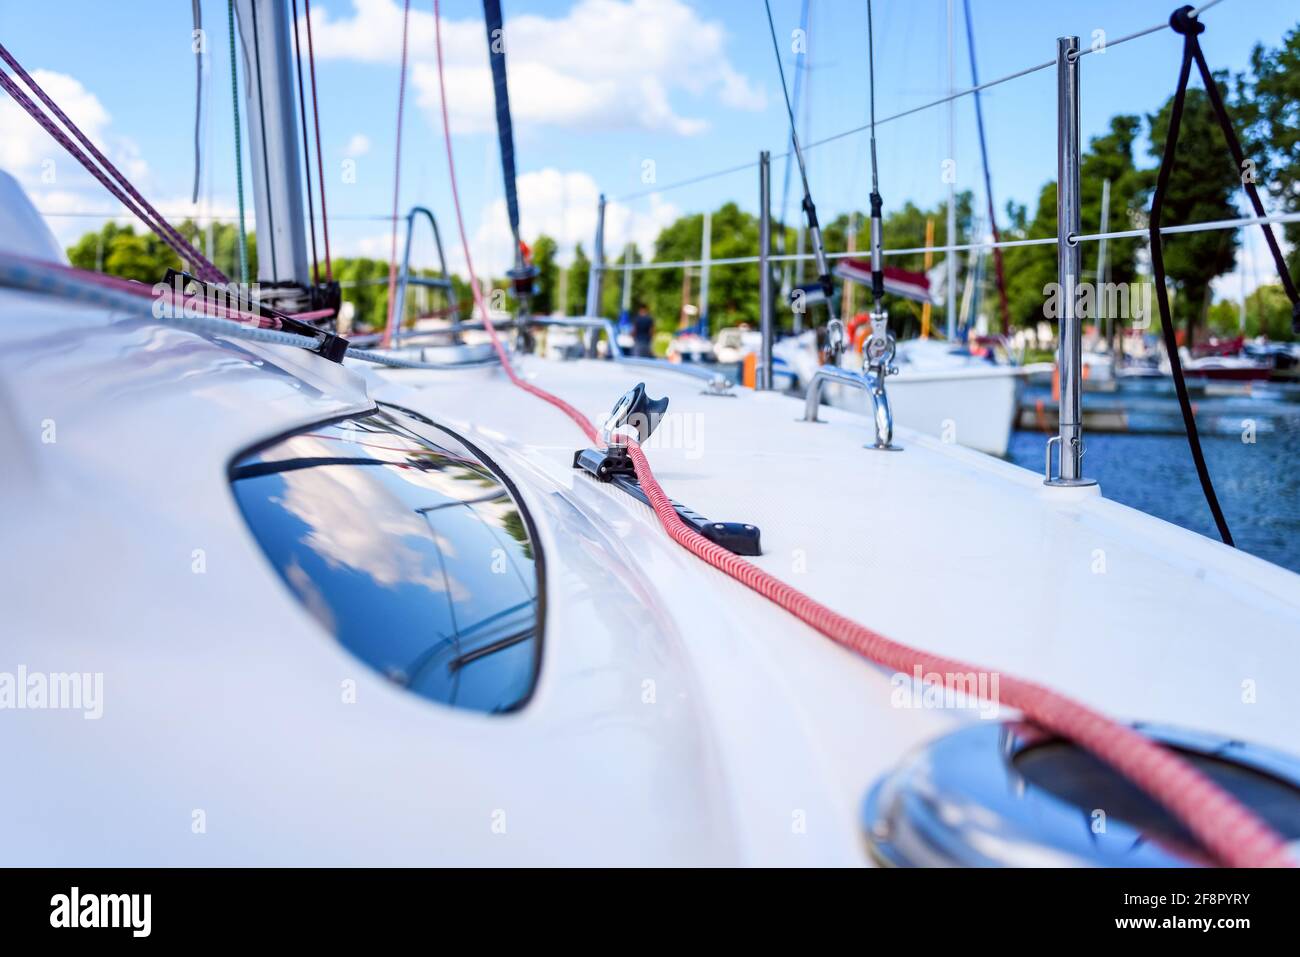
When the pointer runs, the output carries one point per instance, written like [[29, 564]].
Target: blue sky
[[600, 87]]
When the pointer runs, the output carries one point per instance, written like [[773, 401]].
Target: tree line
[[1204, 185]]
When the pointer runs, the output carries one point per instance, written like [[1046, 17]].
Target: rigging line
[[239, 154], [306, 147], [1004, 307], [1232, 832], [320, 159], [871, 88], [877, 204], [813, 144], [1140, 33], [196, 40], [800, 68], [505, 129], [397, 183], [966, 247], [1238, 157], [1189, 28], [810, 210], [789, 110], [266, 160], [119, 186], [957, 94]]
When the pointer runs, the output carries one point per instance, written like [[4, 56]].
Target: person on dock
[[643, 330]]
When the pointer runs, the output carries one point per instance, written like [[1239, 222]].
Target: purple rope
[[147, 214]]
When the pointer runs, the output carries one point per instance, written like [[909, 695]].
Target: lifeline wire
[[958, 94]]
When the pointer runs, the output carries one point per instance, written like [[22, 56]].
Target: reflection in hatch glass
[[407, 548]]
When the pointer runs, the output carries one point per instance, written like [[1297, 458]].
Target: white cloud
[[563, 206], [606, 63], [55, 181], [25, 148], [1255, 266], [359, 145]]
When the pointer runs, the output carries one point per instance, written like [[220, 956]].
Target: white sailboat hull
[[970, 407]]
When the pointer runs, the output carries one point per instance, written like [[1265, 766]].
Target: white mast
[[951, 285], [265, 36], [706, 245]]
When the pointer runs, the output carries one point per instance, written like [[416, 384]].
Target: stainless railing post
[[1068, 268], [403, 278], [763, 374], [595, 276]]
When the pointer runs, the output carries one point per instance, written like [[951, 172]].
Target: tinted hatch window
[[408, 548]]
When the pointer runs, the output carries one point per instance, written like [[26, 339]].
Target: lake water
[[1258, 483]]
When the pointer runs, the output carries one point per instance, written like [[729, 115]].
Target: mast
[[1109, 329], [282, 265], [625, 304], [951, 284], [1005, 309], [706, 245]]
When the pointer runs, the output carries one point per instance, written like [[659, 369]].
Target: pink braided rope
[[1229, 830], [1233, 833], [144, 211]]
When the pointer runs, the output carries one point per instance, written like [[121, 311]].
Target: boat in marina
[[940, 390], [394, 603]]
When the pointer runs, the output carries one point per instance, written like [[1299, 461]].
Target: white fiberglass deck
[[938, 546]]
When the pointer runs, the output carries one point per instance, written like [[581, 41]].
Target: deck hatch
[[408, 547], [1010, 795]]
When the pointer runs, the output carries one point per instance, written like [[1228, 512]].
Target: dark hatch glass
[[408, 548]]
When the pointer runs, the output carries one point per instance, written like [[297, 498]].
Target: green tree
[[576, 291], [1268, 313], [1029, 269], [1202, 186], [548, 275], [1110, 157], [611, 296], [1270, 104], [732, 288], [119, 251]]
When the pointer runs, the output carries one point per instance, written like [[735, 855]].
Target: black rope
[[1234, 145], [877, 204], [1184, 22]]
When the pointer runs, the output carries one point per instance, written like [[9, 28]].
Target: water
[[1258, 484]]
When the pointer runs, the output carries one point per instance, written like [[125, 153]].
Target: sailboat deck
[[937, 546]]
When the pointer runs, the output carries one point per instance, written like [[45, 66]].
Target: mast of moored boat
[[950, 173]]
